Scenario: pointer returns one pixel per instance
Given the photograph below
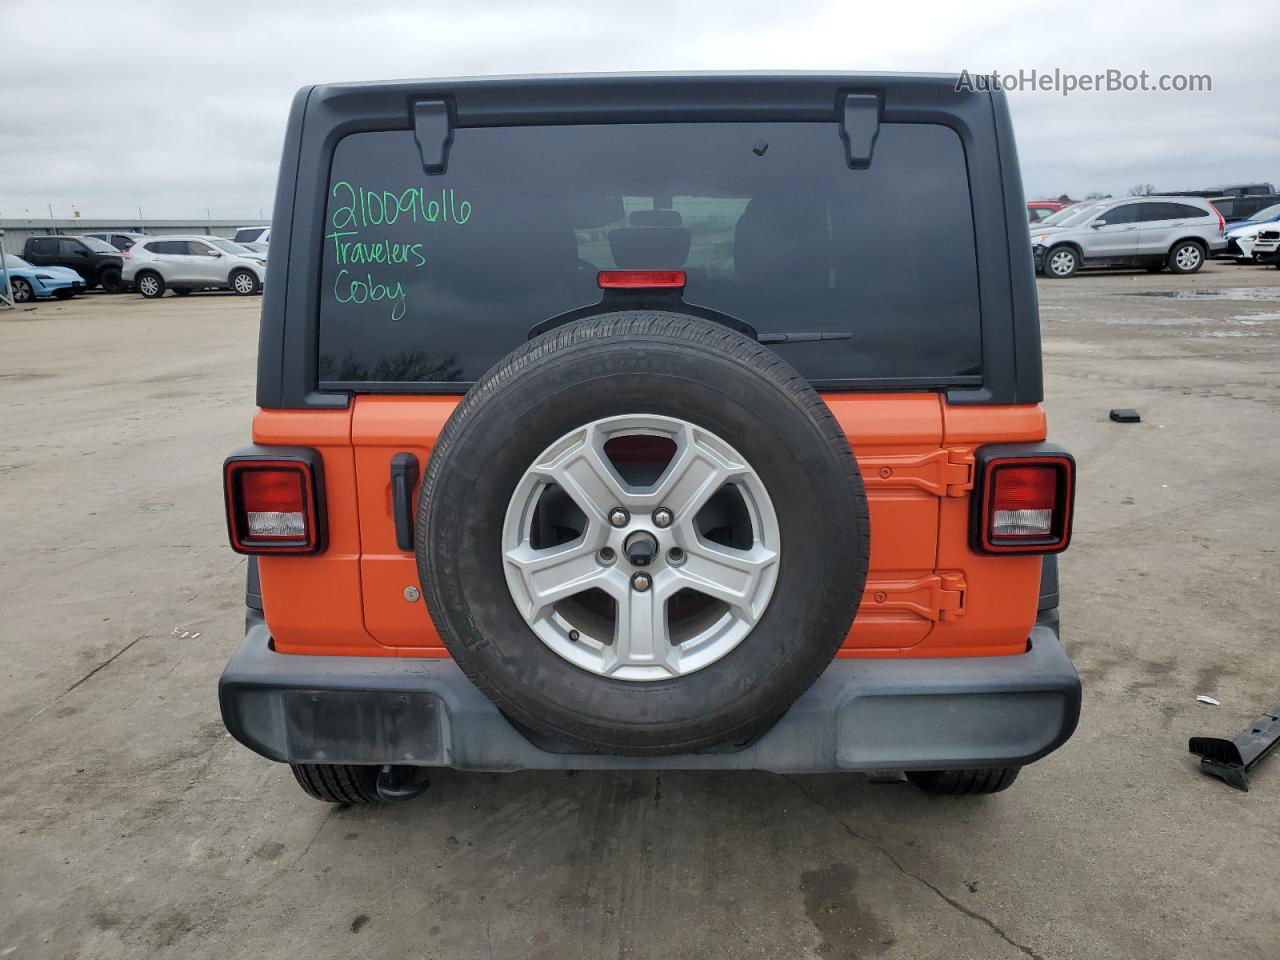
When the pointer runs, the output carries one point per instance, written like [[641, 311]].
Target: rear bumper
[[860, 715]]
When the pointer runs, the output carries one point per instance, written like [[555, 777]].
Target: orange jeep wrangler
[[650, 422]]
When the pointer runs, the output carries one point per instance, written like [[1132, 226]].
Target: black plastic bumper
[[909, 714]]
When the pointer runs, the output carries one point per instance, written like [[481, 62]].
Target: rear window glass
[[432, 279]]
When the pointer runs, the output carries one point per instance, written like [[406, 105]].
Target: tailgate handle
[[434, 133], [404, 480]]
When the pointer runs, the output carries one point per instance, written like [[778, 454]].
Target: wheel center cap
[[640, 547]]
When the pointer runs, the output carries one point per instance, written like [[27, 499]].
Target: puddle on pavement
[[1240, 319], [1158, 321], [1223, 293]]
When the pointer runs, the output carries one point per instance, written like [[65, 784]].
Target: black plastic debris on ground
[[1233, 759], [1120, 415]]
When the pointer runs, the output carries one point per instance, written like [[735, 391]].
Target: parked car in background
[[1241, 236], [185, 264], [98, 263], [252, 234], [1037, 210], [1266, 246], [257, 246], [28, 282], [121, 241], [1226, 190], [1244, 189], [1152, 232], [1238, 209]]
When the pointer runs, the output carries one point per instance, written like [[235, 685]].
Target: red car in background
[[1037, 210]]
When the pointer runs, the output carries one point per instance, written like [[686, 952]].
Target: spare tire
[[642, 533]]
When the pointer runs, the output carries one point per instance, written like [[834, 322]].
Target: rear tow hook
[[397, 783]]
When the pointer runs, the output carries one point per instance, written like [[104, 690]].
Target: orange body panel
[[927, 594]]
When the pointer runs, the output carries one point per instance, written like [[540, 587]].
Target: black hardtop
[[321, 116]]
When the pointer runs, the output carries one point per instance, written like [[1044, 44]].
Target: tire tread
[[336, 783], [965, 783]]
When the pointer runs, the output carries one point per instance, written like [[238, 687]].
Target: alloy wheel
[[641, 547]]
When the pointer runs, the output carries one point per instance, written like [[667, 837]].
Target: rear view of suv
[[1153, 232], [600, 427], [185, 264]]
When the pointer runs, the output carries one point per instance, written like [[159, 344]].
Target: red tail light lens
[[272, 506], [639, 279], [1026, 504]]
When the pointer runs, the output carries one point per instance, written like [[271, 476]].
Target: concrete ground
[[132, 826]]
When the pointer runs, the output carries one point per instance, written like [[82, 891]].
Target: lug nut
[[606, 556], [619, 517], [640, 582], [675, 556], [662, 518]]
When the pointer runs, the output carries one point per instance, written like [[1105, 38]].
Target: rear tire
[[964, 783], [244, 282], [1187, 256], [333, 783], [150, 284], [1061, 262], [110, 281]]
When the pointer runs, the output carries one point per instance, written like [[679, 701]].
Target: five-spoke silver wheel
[[641, 547]]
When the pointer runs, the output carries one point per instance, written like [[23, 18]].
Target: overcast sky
[[176, 107]]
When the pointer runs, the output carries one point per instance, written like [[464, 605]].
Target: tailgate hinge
[[433, 131], [944, 473], [936, 596], [859, 127]]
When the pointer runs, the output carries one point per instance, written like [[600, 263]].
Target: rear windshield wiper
[[806, 337]]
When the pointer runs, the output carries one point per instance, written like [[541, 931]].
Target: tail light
[[1222, 223], [1023, 502], [274, 501], [126, 255], [639, 279]]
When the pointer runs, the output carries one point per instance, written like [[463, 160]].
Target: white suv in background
[[184, 264], [253, 234]]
